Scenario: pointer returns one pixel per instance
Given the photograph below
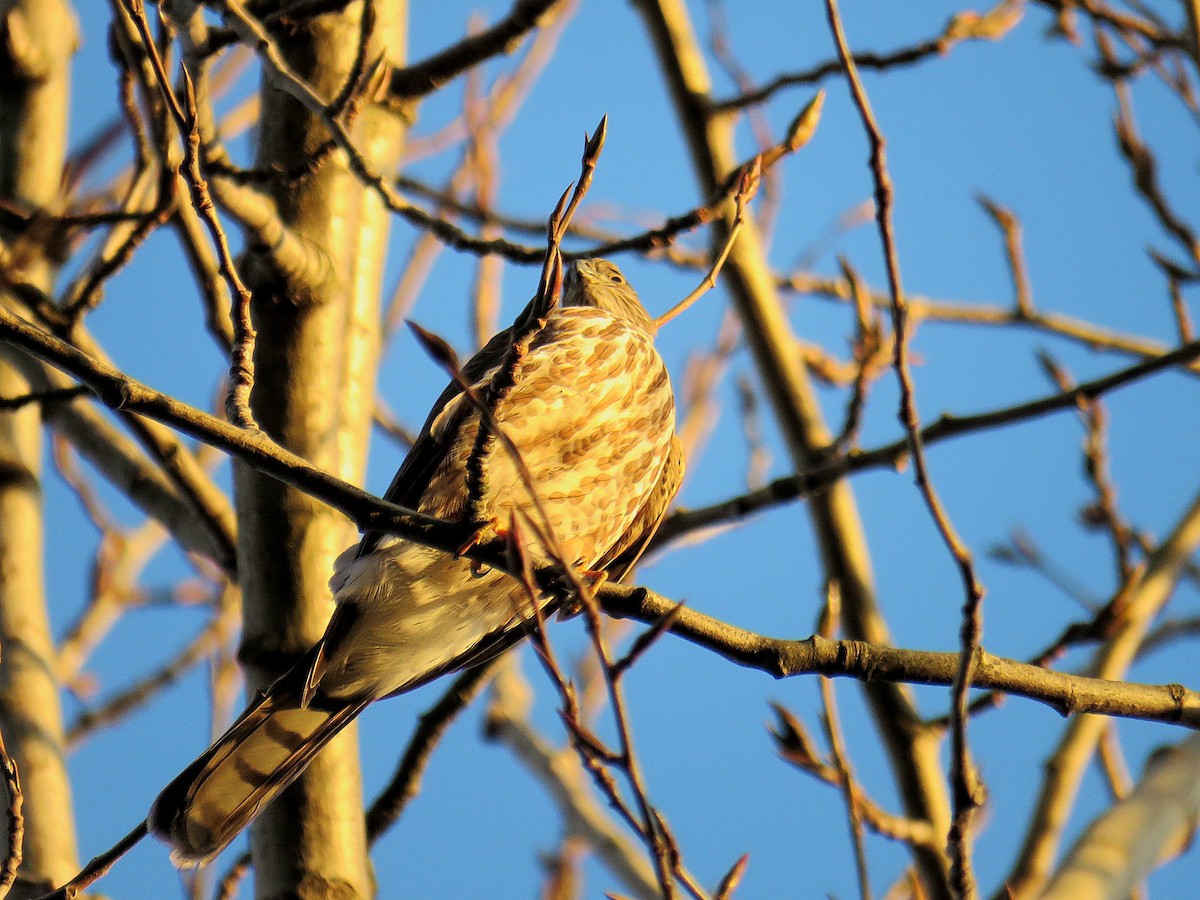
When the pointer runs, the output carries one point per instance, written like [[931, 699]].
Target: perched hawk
[[586, 399]]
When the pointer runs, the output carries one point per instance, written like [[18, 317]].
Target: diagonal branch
[[1143, 600], [948, 425], [992, 26], [1122, 846], [424, 77]]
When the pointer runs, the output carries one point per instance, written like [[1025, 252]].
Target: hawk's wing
[[427, 451], [553, 418], [412, 478], [620, 559]]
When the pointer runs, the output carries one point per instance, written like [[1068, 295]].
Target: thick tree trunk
[[316, 356], [37, 39]]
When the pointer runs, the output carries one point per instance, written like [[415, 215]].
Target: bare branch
[[922, 309], [16, 821], [1142, 600], [783, 490], [1067, 694], [425, 77], [506, 723], [992, 25], [969, 792], [386, 809], [98, 867], [1122, 846]]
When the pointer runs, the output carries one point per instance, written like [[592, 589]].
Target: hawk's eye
[[616, 278]]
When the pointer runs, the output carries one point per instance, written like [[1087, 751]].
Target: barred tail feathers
[[214, 798]]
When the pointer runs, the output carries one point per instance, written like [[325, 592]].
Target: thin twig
[[385, 810], [748, 181], [98, 867], [186, 119], [1010, 225], [422, 78], [15, 820], [993, 25], [868, 346], [1103, 513], [507, 721], [796, 747], [968, 787], [223, 626], [228, 885], [732, 878], [52, 395], [1144, 166], [831, 614]]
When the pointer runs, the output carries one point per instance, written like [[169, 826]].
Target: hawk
[[586, 399]]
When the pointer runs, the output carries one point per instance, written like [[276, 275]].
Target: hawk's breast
[[591, 411]]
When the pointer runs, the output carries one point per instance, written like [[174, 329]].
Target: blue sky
[[1024, 121]]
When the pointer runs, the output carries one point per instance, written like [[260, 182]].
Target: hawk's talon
[[472, 542], [484, 534]]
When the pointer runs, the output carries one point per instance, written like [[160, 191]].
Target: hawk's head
[[599, 283]]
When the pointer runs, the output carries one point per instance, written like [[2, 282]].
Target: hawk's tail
[[264, 751]]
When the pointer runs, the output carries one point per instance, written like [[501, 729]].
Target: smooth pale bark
[[37, 39], [1123, 845], [1143, 600], [316, 357]]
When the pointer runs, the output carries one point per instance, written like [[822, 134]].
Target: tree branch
[[425, 77], [1068, 694], [948, 425]]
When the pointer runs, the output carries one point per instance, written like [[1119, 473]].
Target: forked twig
[[748, 181], [745, 181]]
